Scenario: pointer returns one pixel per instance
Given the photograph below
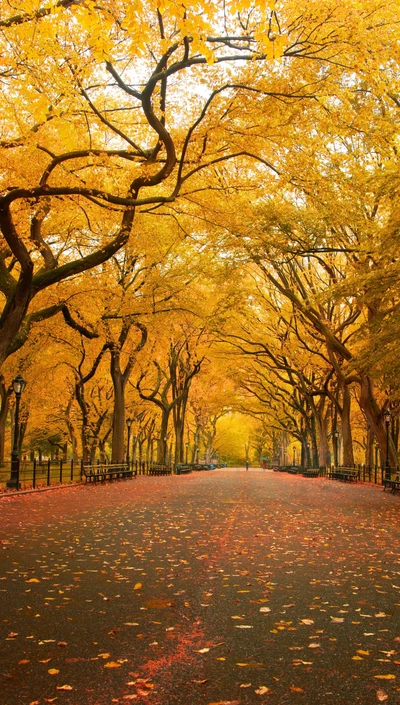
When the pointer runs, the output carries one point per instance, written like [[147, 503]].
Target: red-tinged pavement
[[225, 587]]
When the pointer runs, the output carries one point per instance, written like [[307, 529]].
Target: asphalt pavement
[[221, 587]]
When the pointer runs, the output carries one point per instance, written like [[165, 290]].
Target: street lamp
[[186, 455], [128, 425], [308, 455], [19, 385], [388, 418], [335, 448]]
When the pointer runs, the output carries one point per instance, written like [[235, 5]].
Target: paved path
[[222, 587]]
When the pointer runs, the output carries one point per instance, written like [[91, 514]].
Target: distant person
[[247, 464]]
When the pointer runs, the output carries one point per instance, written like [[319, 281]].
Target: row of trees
[[199, 213]]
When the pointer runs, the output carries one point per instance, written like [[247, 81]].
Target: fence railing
[[44, 473]]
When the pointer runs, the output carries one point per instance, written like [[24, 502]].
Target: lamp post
[[186, 454], [294, 456], [388, 418], [308, 455], [128, 425], [19, 385], [335, 448]]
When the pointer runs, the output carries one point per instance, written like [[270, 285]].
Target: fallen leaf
[[64, 687], [245, 685], [243, 626], [387, 677], [296, 690], [32, 580], [112, 664], [314, 646], [53, 671], [381, 696], [262, 690], [137, 586], [202, 651], [307, 621]]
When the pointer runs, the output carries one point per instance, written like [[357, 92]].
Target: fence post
[[34, 474], [48, 472]]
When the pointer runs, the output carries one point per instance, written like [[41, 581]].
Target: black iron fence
[[44, 473], [36, 473]]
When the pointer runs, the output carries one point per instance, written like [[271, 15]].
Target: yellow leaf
[[138, 586], [296, 690], [64, 687], [357, 658], [112, 664], [363, 653], [32, 580], [388, 677], [53, 671]]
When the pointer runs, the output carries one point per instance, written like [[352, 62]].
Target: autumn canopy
[[199, 220]]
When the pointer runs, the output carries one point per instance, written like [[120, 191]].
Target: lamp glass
[[388, 416], [129, 422], [18, 385]]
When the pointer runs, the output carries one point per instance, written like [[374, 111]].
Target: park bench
[[394, 484], [96, 473], [345, 474], [310, 472], [292, 469], [181, 469], [159, 470]]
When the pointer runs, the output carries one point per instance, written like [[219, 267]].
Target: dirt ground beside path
[[236, 588]]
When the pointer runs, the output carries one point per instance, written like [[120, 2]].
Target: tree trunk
[[369, 448], [4, 408], [162, 449], [347, 439], [372, 412], [118, 426], [322, 424]]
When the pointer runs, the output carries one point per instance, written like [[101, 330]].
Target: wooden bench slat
[[311, 472], [104, 471], [393, 484], [159, 470], [343, 473]]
